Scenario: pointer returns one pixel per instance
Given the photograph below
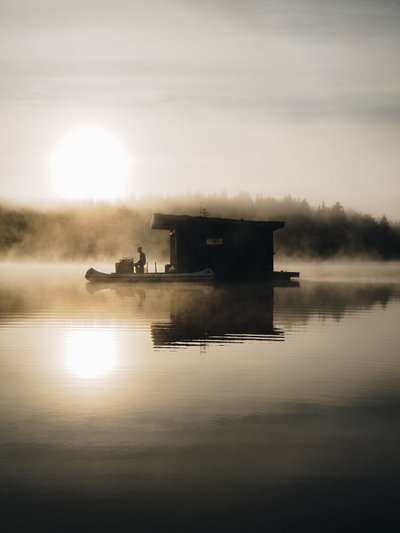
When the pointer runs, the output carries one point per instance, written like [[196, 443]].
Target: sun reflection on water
[[90, 354]]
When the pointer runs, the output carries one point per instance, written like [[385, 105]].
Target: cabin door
[[215, 255]]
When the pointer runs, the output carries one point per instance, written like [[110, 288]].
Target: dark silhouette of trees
[[13, 227], [109, 231]]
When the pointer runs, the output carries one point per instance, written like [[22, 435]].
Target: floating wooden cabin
[[232, 248]]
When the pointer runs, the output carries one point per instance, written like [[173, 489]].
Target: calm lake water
[[198, 407]]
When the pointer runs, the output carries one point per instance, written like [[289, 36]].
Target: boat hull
[[152, 277], [203, 275]]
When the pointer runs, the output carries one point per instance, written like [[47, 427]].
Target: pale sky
[[272, 97]]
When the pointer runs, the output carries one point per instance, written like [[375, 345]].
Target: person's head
[[139, 249]]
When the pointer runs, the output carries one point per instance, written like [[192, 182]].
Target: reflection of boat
[[202, 275], [190, 314]]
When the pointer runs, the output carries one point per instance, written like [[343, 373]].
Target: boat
[[217, 249], [284, 275], [206, 274]]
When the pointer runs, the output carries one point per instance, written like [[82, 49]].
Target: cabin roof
[[161, 221]]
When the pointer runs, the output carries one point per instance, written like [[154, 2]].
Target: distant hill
[[104, 231]]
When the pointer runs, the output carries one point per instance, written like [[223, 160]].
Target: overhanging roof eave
[[169, 222]]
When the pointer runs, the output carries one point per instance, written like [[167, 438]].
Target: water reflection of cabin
[[224, 314], [231, 247]]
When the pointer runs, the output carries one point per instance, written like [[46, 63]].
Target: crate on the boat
[[124, 266]]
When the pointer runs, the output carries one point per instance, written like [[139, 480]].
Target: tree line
[[78, 232]]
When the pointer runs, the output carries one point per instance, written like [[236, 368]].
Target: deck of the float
[[207, 274]]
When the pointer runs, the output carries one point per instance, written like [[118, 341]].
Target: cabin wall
[[190, 249], [230, 251], [172, 247]]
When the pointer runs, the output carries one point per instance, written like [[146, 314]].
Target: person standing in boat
[[139, 265]]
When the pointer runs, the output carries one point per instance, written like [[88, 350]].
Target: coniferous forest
[[77, 232]]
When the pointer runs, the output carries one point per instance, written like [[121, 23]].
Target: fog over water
[[107, 231], [225, 407]]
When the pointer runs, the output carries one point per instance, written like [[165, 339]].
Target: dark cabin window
[[214, 241]]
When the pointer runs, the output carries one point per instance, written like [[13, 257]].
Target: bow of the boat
[[94, 275]]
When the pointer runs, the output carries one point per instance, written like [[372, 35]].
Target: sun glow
[[90, 354], [90, 164]]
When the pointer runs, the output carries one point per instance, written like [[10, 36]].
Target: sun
[[90, 164]]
